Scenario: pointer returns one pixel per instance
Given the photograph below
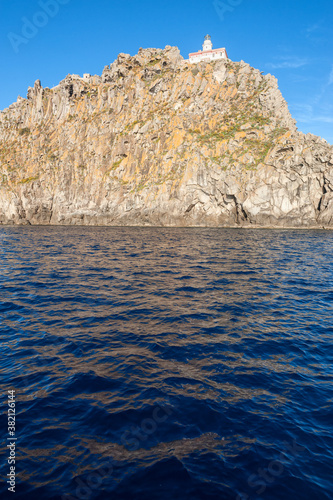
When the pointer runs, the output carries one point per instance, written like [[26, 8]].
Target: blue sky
[[291, 39]]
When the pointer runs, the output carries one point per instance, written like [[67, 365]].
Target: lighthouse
[[207, 45], [208, 53]]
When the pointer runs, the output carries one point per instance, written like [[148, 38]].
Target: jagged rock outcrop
[[156, 140]]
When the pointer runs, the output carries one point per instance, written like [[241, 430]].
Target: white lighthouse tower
[[207, 53], [207, 45]]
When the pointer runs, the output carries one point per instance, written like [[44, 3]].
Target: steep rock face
[[156, 140]]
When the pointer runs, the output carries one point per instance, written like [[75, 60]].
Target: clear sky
[[292, 39]]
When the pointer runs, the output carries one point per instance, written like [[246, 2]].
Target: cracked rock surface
[[158, 141]]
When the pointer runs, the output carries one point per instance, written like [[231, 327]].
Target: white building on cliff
[[207, 53]]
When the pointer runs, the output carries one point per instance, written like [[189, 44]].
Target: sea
[[166, 363]]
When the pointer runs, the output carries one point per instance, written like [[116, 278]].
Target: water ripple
[[155, 363]]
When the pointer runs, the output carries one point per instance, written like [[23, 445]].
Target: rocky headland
[[156, 140]]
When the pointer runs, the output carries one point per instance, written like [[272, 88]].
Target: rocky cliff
[[156, 140]]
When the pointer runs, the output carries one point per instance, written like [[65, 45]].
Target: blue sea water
[[158, 363]]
